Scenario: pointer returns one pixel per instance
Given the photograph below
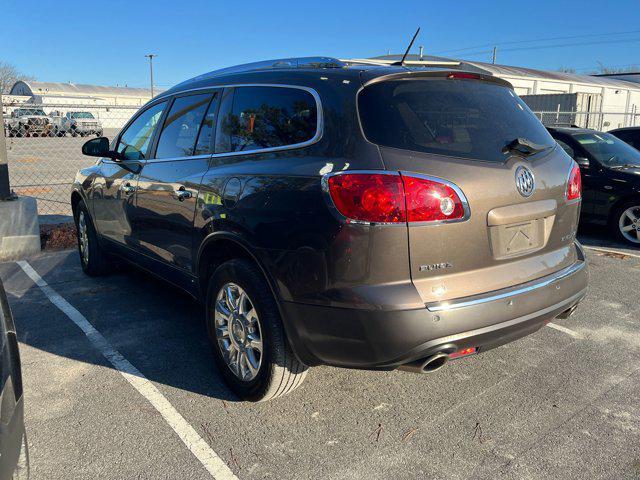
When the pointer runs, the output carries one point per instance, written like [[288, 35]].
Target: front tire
[[626, 222], [249, 343], [92, 258]]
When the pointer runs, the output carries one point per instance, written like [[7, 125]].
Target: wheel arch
[[630, 197], [76, 198], [219, 247]]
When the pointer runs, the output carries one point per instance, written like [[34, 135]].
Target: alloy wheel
[[629, 224], [238, 331], [83, 237]]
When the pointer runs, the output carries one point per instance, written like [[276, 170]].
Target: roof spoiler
[[453, 74], [385, 63]]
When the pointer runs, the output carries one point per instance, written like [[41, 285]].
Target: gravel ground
[[552, 405]]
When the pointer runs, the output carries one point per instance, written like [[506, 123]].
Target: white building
[[606, 102], [113, 106]]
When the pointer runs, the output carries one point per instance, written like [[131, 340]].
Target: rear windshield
[[455, 117], [81, 115], [609, 150]]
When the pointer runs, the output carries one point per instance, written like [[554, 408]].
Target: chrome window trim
[[536, 285], [176, 159], [327, 194], [319, 116]]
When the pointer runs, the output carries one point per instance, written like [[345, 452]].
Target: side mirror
[[98, 147], [583, 162]]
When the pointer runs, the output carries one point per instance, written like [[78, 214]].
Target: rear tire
[[626, 223], [93, 259], [249, 343]]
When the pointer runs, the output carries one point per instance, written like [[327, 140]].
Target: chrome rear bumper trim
[[504, 294]]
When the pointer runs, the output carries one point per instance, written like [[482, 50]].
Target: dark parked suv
[[340, 213]]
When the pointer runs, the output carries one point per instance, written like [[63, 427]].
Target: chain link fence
[[44, 147], [44, 143], [599, 120]]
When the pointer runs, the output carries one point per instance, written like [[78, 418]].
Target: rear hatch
[[464, 129]]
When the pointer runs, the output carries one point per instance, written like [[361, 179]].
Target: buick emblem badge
[[525, 182]]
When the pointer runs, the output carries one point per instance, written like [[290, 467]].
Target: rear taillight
[[574, 186], [391, 198], [430, 200], [369, 197]]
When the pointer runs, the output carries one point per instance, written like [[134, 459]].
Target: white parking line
[[566, 330], [609, 250], [194, 442]]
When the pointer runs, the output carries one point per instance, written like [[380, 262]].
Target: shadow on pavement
[[155, 326]]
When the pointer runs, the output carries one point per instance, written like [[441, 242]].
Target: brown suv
[[341, 213]]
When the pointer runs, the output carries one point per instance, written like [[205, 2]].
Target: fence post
[[5, 188]]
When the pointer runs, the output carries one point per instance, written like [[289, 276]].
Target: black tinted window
[[629, 136], [607, 149], [180, 130], [266, 117], [456, 117], [134, 141], [205, 139]]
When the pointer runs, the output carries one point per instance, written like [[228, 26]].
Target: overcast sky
[[104, 43]]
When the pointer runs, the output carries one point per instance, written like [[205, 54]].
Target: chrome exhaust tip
[[426, 365]]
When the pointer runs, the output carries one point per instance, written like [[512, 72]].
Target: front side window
[[134, 141], [268, 117], [609, 150], [465, 118], [181, 128]]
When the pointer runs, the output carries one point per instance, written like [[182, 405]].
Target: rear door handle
[[182, 194], [128, 189]]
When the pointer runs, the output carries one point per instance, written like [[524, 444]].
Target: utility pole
[[150, 57], [495, 54], [5, 189], [421, 52]]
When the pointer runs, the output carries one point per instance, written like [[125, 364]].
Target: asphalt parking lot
[[562, 403]]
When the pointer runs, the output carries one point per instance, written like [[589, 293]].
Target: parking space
[[559, 403]]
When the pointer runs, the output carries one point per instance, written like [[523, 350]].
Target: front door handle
[[128, 189], [182, 194]]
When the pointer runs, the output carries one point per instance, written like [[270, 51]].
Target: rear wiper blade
[[523, 146]]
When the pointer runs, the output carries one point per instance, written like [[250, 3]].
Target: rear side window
[[455, 117], [182, 125], [268, 117]]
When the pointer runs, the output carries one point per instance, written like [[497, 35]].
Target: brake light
[[464, 75], [430, 200], [384, 198], [574, 186], [369, 197]]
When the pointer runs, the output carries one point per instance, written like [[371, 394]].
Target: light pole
[[150, 57]]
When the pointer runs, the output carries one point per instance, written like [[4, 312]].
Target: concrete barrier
[[19, 228]]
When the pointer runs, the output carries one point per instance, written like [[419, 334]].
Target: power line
[[557, 45], [547, 39]]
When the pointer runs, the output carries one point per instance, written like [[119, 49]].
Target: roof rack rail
[[296, 62], [418, 63]]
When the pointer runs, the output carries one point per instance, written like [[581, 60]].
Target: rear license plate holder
[[517, 239]]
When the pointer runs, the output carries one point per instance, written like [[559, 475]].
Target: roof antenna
[[404, 57]]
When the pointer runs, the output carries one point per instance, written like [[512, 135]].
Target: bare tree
[[566, 70], [611, 70], [9, 75]]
